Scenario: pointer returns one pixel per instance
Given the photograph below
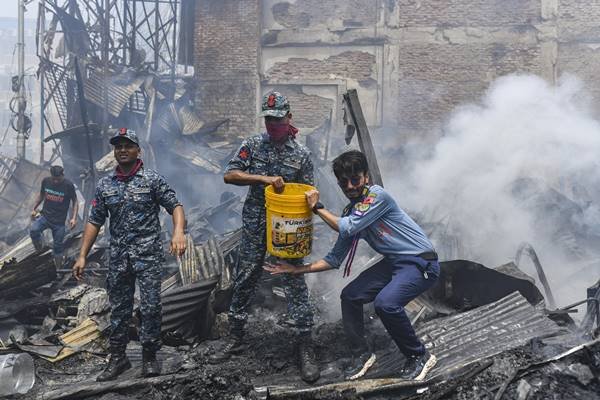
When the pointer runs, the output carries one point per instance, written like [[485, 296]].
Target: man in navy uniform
[[272, 158], [131, 198]]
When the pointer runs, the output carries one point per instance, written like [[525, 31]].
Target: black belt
[[428, 256]]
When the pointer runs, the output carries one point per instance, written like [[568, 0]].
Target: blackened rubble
[[269, 370]]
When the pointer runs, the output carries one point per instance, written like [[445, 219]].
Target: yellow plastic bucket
[[289, 221]]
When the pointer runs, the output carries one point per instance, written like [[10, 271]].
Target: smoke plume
[[521, 165]]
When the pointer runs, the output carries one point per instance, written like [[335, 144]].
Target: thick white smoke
[[521, 165]]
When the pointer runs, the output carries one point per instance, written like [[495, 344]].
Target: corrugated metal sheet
[[19, 277], [19, 183], [199, 156], [465, 338], [190, 120], [119, 88], [205, 262], [181, 305], [185, 295], [168, 119]]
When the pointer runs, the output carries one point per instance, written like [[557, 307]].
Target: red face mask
[[280, 131]]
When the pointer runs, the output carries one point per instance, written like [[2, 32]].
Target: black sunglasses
[[355, 181]]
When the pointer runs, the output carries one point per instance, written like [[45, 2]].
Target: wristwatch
[[317, 207]]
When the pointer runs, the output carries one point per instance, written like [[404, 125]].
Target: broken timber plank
[[364, 137], [76, 338]]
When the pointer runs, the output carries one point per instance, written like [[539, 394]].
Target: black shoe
[[360, 365], [416, 367], [308, 364], [116, 366], [233, 345], [150, 366]]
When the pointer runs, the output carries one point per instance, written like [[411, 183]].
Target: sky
[[8, 8]]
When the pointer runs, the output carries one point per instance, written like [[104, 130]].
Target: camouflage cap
[[274, 104], [124, 133]]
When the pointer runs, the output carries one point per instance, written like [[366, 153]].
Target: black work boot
[[416, 367], [234, 344], [117, 364], [150, 366], [308, 364], [360, 364]]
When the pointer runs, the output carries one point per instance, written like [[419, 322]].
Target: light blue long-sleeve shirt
[[386, 227]]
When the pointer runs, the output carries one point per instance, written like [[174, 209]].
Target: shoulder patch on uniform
[[358, 213], [368, 200], [244, 152], [362, 207]]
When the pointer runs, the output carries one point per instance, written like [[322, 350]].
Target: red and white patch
[[244, 153]]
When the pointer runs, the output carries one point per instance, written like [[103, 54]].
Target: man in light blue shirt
[[409, 266]]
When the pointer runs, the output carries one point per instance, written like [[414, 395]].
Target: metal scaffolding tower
[[105, 37]]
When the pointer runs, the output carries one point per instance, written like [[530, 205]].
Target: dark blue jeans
[[58, 233], [391, 284]]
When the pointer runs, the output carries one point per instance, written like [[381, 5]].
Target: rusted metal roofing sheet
[[474, 335]]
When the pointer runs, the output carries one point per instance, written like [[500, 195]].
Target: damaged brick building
[[412, 61]]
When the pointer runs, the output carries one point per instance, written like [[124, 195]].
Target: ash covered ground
[[271, 361]]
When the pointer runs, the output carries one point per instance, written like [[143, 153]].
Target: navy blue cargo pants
[[390, 284]]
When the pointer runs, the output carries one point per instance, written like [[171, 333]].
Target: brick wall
[[308, 110], [226, 62], [578, 20], [311, 13], [466, 12], [356, 65], [435, 78], [412, 61]]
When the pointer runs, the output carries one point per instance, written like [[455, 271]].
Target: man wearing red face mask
[[271, 158]]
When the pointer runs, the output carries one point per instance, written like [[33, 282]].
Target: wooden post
[[364, 137]]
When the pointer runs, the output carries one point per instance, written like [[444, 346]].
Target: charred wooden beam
[[364, 137]]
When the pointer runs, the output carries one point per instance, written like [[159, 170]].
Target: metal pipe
[[21, 137], [540, 271], [42, 30], [84, 119]]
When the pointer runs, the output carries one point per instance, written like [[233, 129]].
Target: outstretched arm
[[283, 267]]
